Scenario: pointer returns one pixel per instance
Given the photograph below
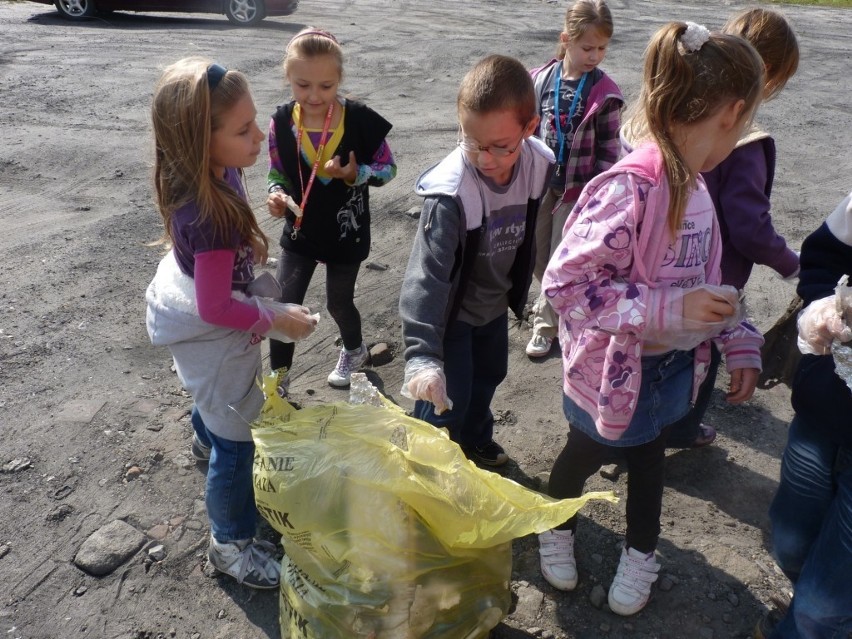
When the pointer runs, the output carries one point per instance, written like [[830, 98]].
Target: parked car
[[241, 12]]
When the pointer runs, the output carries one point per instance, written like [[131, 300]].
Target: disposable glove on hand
[[819, 325], [425, 380]]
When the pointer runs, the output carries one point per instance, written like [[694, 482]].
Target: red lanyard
[[320, 148]]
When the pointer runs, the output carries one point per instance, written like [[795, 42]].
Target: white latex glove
[[425, 380], [819, 325]]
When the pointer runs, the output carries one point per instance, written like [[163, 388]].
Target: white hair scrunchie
[[694, 37]]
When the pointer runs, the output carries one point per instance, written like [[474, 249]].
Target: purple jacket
[[595, 146], [602, 281], [740, 187]]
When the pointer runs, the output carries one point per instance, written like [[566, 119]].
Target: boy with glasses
[[473, 255]]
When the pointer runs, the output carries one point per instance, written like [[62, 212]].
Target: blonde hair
[[498, 83], [582, 16], [311, 42], [185, 112], [770, 33], [682, 87]]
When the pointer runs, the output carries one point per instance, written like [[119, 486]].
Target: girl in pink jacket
[[636, 283]]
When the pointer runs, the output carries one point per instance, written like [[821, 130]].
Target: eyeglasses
[[495, 151]]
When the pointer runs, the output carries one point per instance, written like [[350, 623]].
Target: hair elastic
[[322, 34], [215, 73], [694, 37]]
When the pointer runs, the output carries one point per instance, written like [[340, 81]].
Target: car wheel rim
[[244, 10], [75, 7]]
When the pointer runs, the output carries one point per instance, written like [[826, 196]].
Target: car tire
[[75, 9], [245, 13]]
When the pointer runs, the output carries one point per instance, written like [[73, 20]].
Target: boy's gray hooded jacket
[[445, 247]]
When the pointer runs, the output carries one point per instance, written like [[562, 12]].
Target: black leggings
[[583, 456], [294, 274]]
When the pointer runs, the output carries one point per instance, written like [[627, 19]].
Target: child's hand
[[296, 322], [430, 385], [704, 306], [743, 382], [346, 173], [819, 325], [278, 202]]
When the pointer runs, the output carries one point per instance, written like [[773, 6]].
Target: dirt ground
[[94, 422]]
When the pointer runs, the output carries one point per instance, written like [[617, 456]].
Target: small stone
[[158, 532], [598, 596], [546, 634], [109, 547], [666, 583], [598, 559], [733, 599], [535, 631], [4, 550], [380, 354], [727, 618], [133, 472], [157, 553], [18, 464], [79, 591], [711, 596], [376, 266], [184, 462], [604, 627], [611, 471], [154, 426], [221, 614], [413, 212]]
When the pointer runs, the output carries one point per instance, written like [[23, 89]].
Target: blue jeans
[[476, 359], [229, 493], [811, 518]]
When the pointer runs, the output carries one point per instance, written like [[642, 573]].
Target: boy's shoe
[[490, 454], [558, 565], [769, 621], [539, 345], [349, 362], [250, 562], [199, 451], [631, 587]]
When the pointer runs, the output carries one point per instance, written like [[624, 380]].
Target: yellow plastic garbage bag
[[389, 531]]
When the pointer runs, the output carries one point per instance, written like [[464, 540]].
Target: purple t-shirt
[[191, 236]]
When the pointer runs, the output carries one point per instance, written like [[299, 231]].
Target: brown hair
[[311, 42], [682, 87], [770, 33], [498, 83], [582, 16], [185, 112]]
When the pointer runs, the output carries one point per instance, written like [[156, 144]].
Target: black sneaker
[[490, 454]]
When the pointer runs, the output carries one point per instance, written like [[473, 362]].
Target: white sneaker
[[250, 562], [349, 362], [539, 345], [631, 588], [558, 565]]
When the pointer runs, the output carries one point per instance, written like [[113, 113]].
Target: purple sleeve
[[213, 273], [607, 141], [743, 207]]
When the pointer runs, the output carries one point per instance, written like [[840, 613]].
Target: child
[[585, 141], [473, 256], [324, 151], [199, 303], [740, 187], [811, 534], [634, 280]]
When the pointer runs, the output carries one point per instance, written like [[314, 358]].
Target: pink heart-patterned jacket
[[602, 281]]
